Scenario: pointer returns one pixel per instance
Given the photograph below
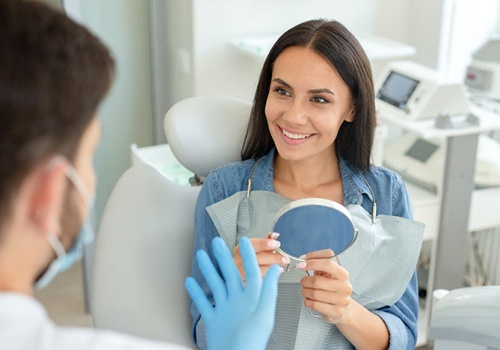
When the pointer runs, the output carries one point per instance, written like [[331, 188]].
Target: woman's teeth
[[295, 136]]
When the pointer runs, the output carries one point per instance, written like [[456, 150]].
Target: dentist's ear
[[46, 195]]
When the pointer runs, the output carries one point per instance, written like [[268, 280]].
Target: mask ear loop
[[78, 182], [57, 246]]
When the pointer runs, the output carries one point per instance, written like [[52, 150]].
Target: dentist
[[53, 75]]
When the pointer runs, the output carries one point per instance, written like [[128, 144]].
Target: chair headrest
[[206, 132]]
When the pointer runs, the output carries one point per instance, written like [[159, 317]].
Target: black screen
[[421, 150], [397, 90]]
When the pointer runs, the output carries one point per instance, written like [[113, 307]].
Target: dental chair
[[144, 244], [466, 319]]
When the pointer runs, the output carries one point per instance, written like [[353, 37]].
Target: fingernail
[[275, 235], [282, 270], [303, 257], [285, 260], [301, 265], [272, 244]]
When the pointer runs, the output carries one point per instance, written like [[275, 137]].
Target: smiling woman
[[307, 103], [349, 85], [310, 135]]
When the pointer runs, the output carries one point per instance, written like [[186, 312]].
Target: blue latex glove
[[243, 315]]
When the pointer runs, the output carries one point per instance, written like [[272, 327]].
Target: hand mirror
[[314, 224]]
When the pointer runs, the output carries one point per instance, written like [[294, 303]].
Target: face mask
[[65, 260]]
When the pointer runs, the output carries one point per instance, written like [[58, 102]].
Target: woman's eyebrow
[[313, 91], [321, 91], [282, 82]]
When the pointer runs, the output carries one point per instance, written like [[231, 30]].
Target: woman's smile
[[293, 137]]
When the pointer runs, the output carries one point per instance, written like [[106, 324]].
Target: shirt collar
[[354, 183]]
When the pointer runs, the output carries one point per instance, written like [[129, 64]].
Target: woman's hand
[[328, 291], [265, 251]]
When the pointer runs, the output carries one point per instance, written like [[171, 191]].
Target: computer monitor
[[397, 90]]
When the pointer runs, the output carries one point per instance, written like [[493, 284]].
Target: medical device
[[421, 161], [483, 73], [411, 91]]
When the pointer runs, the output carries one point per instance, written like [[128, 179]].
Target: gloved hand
[[243, 315]]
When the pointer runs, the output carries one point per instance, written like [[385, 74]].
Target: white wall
[[424, 30], [391, 19], [444, 32], [126, 114], [470, 26], [220, 69]]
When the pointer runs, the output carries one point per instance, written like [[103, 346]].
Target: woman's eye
[[282, 91], [319, 99]]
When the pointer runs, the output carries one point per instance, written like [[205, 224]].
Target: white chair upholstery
[[466, 319], [141, 257], [210, 137], [144, 243]]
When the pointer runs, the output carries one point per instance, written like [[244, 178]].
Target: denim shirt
[[391, 197]]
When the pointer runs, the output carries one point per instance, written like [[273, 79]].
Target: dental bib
[[381, 263]]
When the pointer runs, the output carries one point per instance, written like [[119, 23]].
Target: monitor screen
[[421, 150], [397, 90]]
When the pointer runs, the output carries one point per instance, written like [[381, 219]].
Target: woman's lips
[[293, 138]]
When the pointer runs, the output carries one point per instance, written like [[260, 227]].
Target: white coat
[[25, 325]]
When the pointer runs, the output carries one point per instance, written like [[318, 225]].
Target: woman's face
[[307, 103]]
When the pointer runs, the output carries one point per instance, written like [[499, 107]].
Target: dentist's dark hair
[[53, 75], [341, 49]]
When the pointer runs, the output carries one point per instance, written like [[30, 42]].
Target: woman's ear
[[351, 115], [47, 197]]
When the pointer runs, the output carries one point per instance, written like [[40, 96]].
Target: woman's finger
[[264, 258], [331, 313], [320, 254], [261, 245], [328, 267], [325, 289]]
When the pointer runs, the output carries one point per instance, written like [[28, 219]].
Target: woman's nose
[[296, 113]]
